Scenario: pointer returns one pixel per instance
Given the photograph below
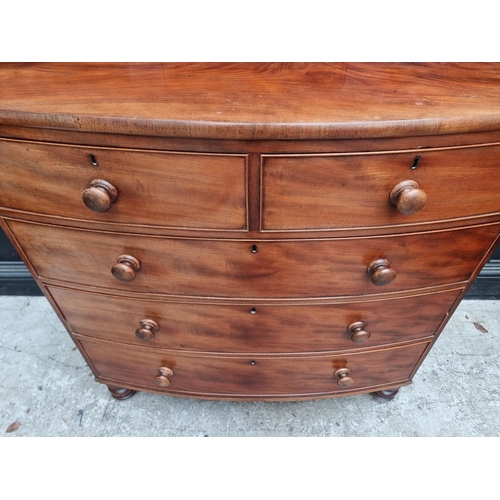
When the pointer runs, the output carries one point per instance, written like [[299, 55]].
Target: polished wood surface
[[162, 379], [408, 198], [385, 395], [147, 331], [219, 268], [121, 393], [100, 195], [126, 268], [250, 377], [343, 378], [257, 231], [253, 328], [339, 191], [253, 100], [381, 273], [165, 189], [358, 332]]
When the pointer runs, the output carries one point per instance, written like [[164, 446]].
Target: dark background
[[15, 279]]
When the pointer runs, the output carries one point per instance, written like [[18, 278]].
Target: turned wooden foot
[[120, 393], [387, 395]]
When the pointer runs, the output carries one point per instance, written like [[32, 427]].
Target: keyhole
[[93, 160], [253, 310], [414, 165], [254, 248]]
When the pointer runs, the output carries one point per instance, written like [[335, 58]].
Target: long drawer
[[247, 328], [353, 190], [261, 269], [191, 190], [245, 377]]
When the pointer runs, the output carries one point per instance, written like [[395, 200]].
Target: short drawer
[[241, 377], [178, 190], [321, 192], [261, 269], [253, 328]]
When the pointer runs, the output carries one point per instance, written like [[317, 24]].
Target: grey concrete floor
[[47, 387]]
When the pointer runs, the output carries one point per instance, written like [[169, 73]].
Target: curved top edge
[[252, 131], [253, 101]]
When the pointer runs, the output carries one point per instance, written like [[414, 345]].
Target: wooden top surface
[[253, 100]]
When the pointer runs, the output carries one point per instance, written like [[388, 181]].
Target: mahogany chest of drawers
[[252, 231]]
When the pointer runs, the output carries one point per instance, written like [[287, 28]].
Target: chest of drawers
[[252, 231]]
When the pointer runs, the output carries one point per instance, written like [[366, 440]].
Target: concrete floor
[[47, 387]]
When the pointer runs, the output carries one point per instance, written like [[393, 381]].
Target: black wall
[[15, 279]]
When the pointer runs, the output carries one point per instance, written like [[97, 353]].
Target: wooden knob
[[381, 272], [357, 332], [343, 377], [147, 330], [125, 268], [408, 197], [162, 379], [100, 195]]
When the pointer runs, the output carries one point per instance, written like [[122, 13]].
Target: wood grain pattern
[[250, 377], [226, 268], [157, 188], [234, 146], [272, 328], [253, 100], [342, 191], [209, 230]]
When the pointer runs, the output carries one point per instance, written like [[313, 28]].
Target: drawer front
[[248, 328], [257, 376], [225, 268], [353, 191], [179, 190]]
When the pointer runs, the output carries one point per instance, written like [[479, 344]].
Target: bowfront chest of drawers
[[252, 231]]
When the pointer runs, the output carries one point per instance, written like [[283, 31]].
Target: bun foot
[[120, 393], [387, 395]]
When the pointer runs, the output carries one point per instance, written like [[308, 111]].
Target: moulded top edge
[[252, 131], [253, 101]]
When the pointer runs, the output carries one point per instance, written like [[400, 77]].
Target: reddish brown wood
[[257, 147], [480, 264], [252, 376], [205, 191], [381, 272], [222, 268], [408, 197], [358, 333], [100, 195], [126, 268], [162, 380], [386, 395], [247, 262], [253, 100], [254, 193], [343, 378], [272, 328], [346, 190], [147, 330], [121, 393]]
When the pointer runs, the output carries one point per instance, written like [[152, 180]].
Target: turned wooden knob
[[100, 195], [125, 268], [408, 197], [381, 272], [343, 377], [357, 332], [162, 379], [147, 330]]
